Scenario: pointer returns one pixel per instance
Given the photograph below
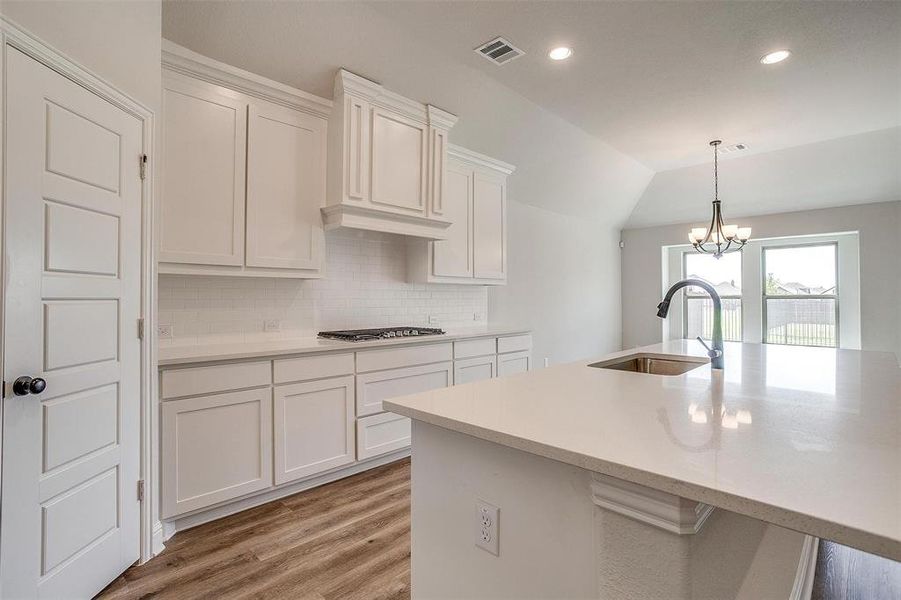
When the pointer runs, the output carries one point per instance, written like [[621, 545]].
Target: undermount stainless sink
[[653, 365]]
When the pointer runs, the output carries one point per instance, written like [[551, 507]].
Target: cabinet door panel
[[398, 162], [380, 434], [474, 369], [204, 150], [515, 362], [489, 229], [215, 448], [453, 257], [374, 387], [313, 427], [285, 188]]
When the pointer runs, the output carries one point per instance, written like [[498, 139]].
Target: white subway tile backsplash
[[364, 286]]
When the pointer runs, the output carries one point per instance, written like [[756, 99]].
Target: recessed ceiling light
[[775, 57], [561, 53]]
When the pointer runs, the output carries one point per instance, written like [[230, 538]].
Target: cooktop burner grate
[[383, 333]]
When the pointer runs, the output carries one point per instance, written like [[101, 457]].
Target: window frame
[[686, 296], [764, 296]]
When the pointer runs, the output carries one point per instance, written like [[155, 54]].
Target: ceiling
[[649, 83]]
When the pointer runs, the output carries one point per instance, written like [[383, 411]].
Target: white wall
[[365, 285], [880, 283], [118, 41]]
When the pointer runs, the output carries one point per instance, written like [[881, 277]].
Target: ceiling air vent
[[733, 148], [499, 51]]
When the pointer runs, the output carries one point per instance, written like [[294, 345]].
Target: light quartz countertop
[[806, 438], [180, 354]]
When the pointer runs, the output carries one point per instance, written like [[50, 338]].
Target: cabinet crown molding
[[440, 118], [659, 509], [187, 62], [479, 159], [374, 93]]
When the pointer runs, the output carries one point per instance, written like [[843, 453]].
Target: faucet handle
[[710, 351]]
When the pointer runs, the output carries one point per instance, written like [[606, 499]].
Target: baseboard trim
[[807, 566], [156, 541], [187, 521]]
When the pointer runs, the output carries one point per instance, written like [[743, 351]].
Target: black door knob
[[26, 385]]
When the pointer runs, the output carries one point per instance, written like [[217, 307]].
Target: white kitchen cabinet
[[215, 448], [387, 157], [244, 173], [382, 433], [203, 150], [475, 249], [314, 427], [514, 362], [376, 386], [479, 368], [285, 188]]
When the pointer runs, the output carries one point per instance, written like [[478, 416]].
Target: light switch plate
[[272, 325]]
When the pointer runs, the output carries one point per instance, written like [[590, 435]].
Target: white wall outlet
[[486, 527], [547, 361], [433, 319], [164, 332], [478, 316], [272, 325]]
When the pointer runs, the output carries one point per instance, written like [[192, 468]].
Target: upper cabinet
[[475, 201], [387, 161], [243, 173]]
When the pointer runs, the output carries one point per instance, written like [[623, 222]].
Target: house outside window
[[800, 295], [725, 275]]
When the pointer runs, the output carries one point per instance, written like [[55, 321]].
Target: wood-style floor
[[351, 540]]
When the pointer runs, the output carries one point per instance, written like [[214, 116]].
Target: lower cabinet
[[514, 362], [374, 387], [380, 434], [215, 448], [475, 369], [313, 427]]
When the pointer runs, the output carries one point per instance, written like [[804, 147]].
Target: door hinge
[[143, 166], [140, 329], [140, 490]]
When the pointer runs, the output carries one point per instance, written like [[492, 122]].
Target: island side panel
[[546, 538]]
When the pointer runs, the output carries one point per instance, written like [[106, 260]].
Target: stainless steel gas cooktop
[[383, 333]]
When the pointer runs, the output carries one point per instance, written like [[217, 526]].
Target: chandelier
[[718, 239]]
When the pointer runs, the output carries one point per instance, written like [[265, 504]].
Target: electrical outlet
[[478, 316], [164, 332], [272, 325], [486, 527], [547, 361], [433, 319]]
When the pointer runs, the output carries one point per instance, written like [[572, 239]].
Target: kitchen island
[[619, 484]]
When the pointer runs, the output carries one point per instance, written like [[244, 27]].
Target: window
[[725, 275], [800, 295]]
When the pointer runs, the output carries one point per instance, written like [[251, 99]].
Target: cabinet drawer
[[205, 380], [474, 369], [379, 434], [215, 448], [514, 343], [372, 388], [514, 362], [313, 367], [390, 358], [479, 347], [313, 427]]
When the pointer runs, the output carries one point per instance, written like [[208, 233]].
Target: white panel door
[[285, 188], [474, 369], [314, 427], [488, 226], [453, 257], [203, 154], [215, 448], [70, 518], [398, 163]]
